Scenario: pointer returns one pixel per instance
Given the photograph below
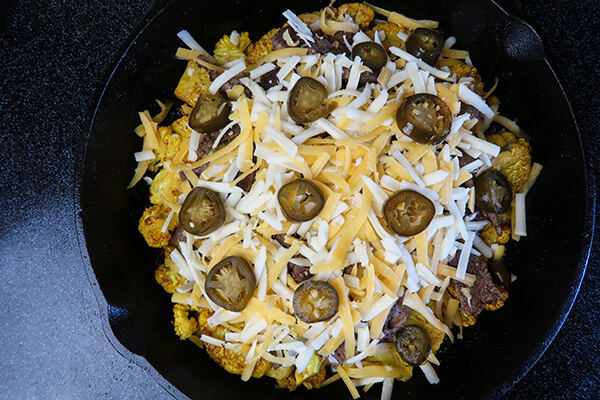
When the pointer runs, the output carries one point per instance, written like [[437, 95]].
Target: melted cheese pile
[[363, 159]]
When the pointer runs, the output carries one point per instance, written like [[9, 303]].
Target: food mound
[[333, 198]]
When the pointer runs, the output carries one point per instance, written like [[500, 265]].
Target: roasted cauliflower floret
[[234, 362], [466, 71], [314, 365], [309, 18], [514, 161], [226, 50], [185, 324], [172, 142], [229, 359], [311, 377], [161, 187], [281, 372], [360, 13], [194, 81], [180, 127], [315, 380], [391, 34], [218, 332], [467, 320], [489, 235], [151, 224], [167, 276], [261, 48], [505, 139]]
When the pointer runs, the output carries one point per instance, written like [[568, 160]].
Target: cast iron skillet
[[494, 354]]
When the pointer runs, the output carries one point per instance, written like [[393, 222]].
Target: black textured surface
[[54, 56]]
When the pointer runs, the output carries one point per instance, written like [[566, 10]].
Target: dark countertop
[[54, 54]]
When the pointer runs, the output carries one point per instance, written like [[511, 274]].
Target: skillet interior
[[546, 262]]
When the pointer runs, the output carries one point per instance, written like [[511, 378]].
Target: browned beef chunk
[[338, 356], [365, 77], [493, 218], [212, 73], [348, 269], [322, 45], [469, 109], [279, 42], [396, 318], [206, 142], [197, 171], [178, 235], [234, 82], [465, 159], [280, 238], [338, 40], [200, 169], [274, 364], [208, 139], [298, 272], [268, 80], [246, 183], [469, 183], [483, 292], [474, 113]]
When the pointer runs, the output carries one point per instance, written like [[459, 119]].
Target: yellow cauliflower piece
[[391, 34], [309, 18], [185, 324], [280, 372], [151, 224], [360, 13], [217, 332], [226, 51], [194, 81], [230, 360], [160, 187], [315, 380], [489, 236], [234, 362], [167, 276], [467, 320], [311, 377], [514, 161], [505, 139], [171, 141], [261, 48], [180, 127], [312, 369], [312, 380], [466, 71]]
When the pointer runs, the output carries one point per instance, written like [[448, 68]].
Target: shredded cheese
[[357, 157]]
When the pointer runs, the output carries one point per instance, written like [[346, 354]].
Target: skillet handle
[[519, 40]]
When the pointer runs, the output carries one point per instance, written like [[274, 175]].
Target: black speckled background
[[53, 57]]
